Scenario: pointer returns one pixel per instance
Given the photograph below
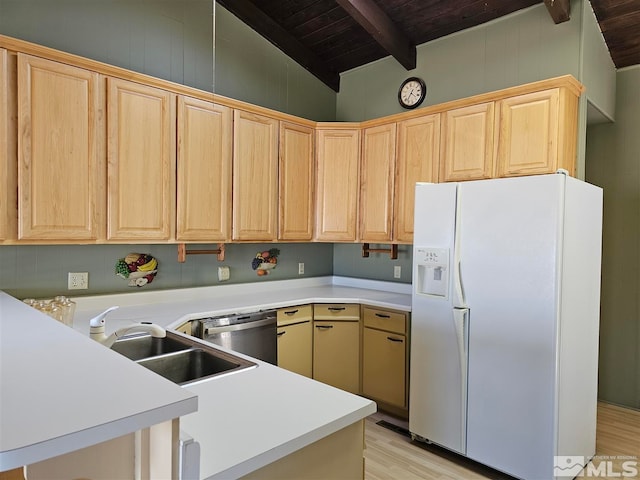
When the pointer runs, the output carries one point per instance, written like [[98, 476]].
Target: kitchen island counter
[[61, 391]]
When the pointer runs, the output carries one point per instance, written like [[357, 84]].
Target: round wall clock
[[412, 92]]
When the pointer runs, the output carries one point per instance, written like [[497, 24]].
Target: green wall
[[613, 162], [349, 262], [41, 271], [171, 40]]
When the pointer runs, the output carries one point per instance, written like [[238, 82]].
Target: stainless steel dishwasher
[[253, 334]]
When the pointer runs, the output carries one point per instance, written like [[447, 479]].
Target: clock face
[[412, 92]]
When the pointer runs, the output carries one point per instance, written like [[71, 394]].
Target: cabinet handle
[[324, 327], [282, 333], [382, 315], [395, 339], [291, 312], [336, 309]]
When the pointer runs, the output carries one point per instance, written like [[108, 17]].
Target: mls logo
[[570, 466]]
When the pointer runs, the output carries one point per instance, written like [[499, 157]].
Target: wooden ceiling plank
[[375, 21], [560, 10], [247, 12]]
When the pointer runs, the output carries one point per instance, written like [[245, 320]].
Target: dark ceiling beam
[[560, 10], [246, 11], [383, 30]]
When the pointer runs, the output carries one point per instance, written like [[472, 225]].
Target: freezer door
[[510, 239], [437, 391]]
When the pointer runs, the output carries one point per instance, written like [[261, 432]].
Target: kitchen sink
[[178, 359], [194, 364], [143, 346]]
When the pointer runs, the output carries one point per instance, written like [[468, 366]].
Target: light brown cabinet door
[[467, 143], [8, 148], [296, 185], [376, 183], [255, 177], [336, 354], [204, 171], [383, 366], [418, 161], [295, 348], [338, 154], [141, 152], [61, 169], [529, 134]]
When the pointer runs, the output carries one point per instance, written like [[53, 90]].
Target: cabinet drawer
[[297, 314], [336, 311], [385, 320]]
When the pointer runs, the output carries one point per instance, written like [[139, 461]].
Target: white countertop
[[170, 308], [61, 391], [251, 418]]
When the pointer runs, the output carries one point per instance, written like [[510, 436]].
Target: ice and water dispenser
[[432, 271]]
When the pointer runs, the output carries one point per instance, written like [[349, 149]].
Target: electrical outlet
[[78, 281], [301, 268], [397, 271], [223, 274]]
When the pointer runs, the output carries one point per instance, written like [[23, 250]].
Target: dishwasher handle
[[238, 326]]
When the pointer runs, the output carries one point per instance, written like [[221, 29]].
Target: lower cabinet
[[336, 346], [295, 339], [384, 356], [151, 453], [339, 455], [363, 350]]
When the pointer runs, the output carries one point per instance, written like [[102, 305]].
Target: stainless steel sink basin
[[144, 346], [179, 359], [194, 364]]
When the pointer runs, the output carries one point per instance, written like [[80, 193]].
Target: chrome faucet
[[97, 324]]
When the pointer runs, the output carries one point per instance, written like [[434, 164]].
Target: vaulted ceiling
[[328, 37]]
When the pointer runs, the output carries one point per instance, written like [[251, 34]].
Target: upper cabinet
[[537, 133], [255, 177], [141, 153], [8, 146], [94, 153], [61, 169], [376, 183], [338, 155], [204, 171], [296, 182], [467, 145], [418, 161]]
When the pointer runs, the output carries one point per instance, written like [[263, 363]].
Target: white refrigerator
[[505, 317]]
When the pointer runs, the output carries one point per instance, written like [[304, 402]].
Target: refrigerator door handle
[[461, 325], [458, 290]]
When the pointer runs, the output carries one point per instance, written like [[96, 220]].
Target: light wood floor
[[393, 456]]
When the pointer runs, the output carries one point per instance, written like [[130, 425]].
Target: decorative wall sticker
[[138, 268], [265, 261]]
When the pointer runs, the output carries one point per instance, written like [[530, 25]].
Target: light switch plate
[[223, 274]]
